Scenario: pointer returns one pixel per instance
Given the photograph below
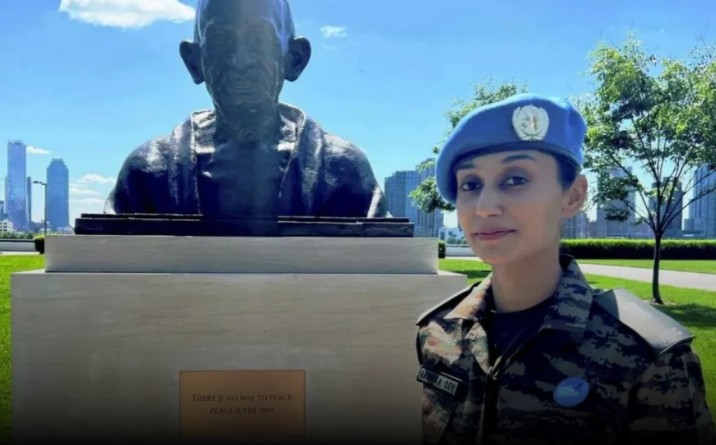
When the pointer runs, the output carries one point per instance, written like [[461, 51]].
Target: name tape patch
[[443, 382]]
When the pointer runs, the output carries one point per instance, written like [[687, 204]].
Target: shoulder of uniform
[[445, 304], [657, 329]]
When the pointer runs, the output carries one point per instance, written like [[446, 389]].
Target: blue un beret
[[520, 122]]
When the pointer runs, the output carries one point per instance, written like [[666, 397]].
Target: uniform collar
[[569, 311], [574, 296]]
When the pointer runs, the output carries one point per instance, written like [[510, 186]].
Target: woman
[[534, 354]]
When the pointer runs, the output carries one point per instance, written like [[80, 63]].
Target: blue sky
[[90, 80]]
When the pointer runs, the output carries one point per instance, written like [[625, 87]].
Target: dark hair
[[567, 170]]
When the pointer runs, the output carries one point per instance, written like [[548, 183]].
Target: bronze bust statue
[[251, 154]]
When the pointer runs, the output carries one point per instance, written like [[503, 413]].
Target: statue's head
[[244, 50]]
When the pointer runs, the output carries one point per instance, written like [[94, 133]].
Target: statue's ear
[[191, 55], [299, 53]]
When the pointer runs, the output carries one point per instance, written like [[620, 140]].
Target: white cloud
[[94, 178], [126, 13], [78, 206], [96, 204], [329, 31], [80, 190], [86, 205], [37, 151]]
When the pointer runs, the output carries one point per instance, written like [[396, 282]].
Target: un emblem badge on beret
[[530, 123]]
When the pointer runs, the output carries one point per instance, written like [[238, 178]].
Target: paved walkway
[[690, 280]]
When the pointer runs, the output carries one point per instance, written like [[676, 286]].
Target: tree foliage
[[657, 116], [426, 195], [16, 235], [649, 115]]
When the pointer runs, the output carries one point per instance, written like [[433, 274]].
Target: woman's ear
[[575, 197]]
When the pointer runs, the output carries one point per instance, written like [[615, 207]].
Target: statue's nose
[[244, 55]]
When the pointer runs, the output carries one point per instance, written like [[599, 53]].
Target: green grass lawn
[[701, 266], [694, 308], [9, 264]]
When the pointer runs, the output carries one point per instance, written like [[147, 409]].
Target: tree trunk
[[656, 296]]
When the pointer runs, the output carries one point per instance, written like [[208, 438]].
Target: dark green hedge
[[40, 244], [640, 249]]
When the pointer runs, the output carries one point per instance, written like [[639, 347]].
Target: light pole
[[44, 185]]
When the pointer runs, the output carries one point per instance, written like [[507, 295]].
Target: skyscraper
[[429, 224], [29, 200], [397, 188], [397, 191], [16, 185], [612, 228], [576, 227], [58, 195], [673, 230], [703, 210]]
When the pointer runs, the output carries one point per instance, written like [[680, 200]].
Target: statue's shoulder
[[339, 150], [157, 154], [314, 134]]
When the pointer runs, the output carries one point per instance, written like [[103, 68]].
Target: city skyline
[[700, 216], [19, 193], [384, 84]]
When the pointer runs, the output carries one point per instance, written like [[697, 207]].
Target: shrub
[[40, 244], [641, 249], [441, 249]]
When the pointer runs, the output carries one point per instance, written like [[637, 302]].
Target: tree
[[426, 195], [660, 116]]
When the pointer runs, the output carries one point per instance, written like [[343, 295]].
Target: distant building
[[642, 230], [447, 233], [703, 210], [16, 185], [673, 230], [397, 189], [58, 195], [29, 201], [608, 228], [6, 226], [428, 224], [576, 227]]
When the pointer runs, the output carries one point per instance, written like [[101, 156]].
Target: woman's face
[[510, 205]]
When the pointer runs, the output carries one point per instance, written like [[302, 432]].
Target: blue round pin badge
[[571, 392]]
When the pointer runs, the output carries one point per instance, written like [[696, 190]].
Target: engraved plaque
[[242, 404]]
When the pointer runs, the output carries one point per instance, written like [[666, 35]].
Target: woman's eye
[[515, 180], [468, 186]]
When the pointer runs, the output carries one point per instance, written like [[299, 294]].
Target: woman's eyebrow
[[468, 163]]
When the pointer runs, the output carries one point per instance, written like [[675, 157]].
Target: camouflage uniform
[[644, 381]]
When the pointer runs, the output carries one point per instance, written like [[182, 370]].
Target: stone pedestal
[[277, 353]]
